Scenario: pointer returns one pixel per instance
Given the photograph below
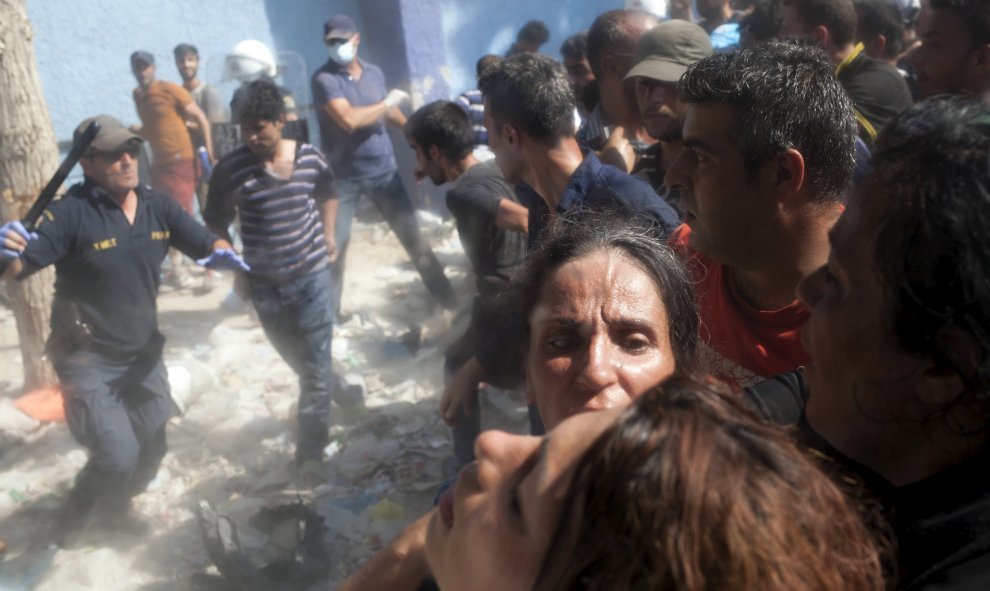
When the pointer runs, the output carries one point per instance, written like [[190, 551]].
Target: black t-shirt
[[494, 253], [941, 524], [877, 90], [109, 268]]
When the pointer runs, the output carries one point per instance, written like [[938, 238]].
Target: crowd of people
[[738, 266]]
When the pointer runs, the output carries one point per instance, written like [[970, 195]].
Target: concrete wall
[[474, 28], [83, 46]]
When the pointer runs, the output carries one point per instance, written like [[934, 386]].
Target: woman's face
[[860, 382], [598, 337], [494, 526]]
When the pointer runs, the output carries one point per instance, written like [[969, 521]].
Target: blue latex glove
[[6, 235], [224, 259]]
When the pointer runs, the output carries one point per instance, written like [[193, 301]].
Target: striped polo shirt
[[280, 222]]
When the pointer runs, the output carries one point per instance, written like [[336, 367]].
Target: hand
[[331, 248], [395, 97], [618, 151], [224, 259], [457, 394], [14, 238]]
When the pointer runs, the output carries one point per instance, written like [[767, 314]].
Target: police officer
[[107, 237]]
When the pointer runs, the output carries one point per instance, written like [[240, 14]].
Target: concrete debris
[[233, 444]]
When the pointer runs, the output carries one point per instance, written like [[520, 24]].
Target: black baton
[[48, 193]]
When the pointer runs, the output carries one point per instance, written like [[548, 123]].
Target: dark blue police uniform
[[105, 345]]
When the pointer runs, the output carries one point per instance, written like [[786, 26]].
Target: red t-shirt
[[739, 343]]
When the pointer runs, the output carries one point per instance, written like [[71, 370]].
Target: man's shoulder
[[481, 180], [635, 193], [237, 159], [868, 75]]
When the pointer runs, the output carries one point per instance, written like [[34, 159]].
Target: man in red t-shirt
[[769, 151]]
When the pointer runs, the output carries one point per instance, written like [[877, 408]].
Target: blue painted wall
[[83, 46], [474, 28]]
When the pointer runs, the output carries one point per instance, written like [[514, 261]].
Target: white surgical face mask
[[342, 54]]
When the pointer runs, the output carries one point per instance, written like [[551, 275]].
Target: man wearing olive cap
[[107, 237], [663, 55]]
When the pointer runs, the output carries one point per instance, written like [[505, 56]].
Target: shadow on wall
[[475, 28]]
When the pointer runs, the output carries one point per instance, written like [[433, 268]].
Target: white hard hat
[[249, 60]]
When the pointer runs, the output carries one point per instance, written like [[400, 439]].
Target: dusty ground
[[233, 445]]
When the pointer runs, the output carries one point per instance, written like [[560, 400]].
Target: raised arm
[[512, 216], [351, 118]]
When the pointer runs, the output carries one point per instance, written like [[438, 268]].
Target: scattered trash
[[43, 405], [296, 538]]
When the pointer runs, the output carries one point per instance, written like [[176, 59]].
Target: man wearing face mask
[[353, 107]]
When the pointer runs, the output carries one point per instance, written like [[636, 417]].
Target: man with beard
[[663, 55], [285, 194]]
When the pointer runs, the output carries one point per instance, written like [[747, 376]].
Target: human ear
[[821, 36], [877, 46], [434, 153], [509, 134], [788, 174], [980, 57], [942, 383]]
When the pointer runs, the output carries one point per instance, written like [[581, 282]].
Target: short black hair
[[183, 49], [443, 124], [576, 46], [262, 101], [881, 17], [784, 96], [765, 22], [838, 16], [586, 230], [613, 32], [931, 181], [484, 62], [535, 32], [975, 15], [532, 92]]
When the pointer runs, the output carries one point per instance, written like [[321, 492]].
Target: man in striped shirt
[[284, 192]]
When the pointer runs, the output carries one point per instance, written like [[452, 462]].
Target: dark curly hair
[[784, 96], [689, 491], [262, 101], [932, 185]]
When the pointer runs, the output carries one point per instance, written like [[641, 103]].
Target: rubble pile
[[232, 446]]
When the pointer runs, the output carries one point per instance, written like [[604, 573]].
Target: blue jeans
[[389, 196], [297, 316]]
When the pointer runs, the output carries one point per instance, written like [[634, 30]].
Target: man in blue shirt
[[352, 109], [107, 237]]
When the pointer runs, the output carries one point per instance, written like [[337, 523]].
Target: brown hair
[[690, 491]]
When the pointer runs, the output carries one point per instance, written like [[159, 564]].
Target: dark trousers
[[297, 317], [117, 409], [390, 197]]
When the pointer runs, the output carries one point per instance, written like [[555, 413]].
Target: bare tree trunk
[[28, 155]]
